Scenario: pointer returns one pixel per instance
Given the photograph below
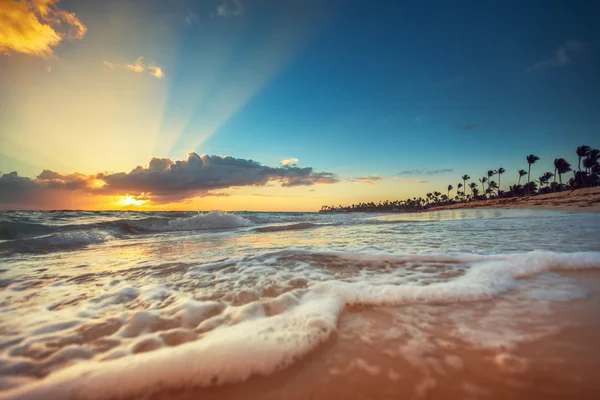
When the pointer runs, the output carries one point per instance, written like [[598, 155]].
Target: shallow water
[[453, 304]]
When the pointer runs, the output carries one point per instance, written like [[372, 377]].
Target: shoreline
[[581, 200], [585, 200]]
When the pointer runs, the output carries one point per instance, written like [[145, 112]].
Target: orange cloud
[[156, 71], [138, 67], [35, 27], [162, 181], [289, 161]]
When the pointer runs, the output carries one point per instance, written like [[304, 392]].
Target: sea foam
[[207, 343]]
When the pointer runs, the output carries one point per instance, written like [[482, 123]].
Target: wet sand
[[587, 199], [415, 351]]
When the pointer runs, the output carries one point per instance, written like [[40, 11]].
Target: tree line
[[586, 174]]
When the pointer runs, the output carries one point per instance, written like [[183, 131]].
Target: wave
[[206, 343], [174, 221], [290, 227], [55, 242], [13, 230], [160, 222], [213, 220]]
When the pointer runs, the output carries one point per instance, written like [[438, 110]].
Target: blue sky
[[380, 87], [353, 88]]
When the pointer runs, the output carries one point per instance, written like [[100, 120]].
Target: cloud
[[289, 161], [139, 67], [191, 18], [230, 8], [425, 171], [562, 57], [156, 71], [368, 180], [35, 27], [415, 181], [468, 127], [162, 181]]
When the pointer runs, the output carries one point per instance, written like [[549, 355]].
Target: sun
[[129, 200]]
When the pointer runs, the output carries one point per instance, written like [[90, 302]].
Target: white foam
[[258, 346], [487, 277], [264, 335], [210, 220]]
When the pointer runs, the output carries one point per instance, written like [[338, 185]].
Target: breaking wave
[[54, 242], [217, 341]]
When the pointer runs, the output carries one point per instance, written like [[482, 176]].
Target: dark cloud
[[425, 171], [164, 180], [18, 191]]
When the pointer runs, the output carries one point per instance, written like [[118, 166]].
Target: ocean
[[184, 305]]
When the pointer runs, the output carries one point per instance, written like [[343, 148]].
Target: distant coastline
[[585, 199], [581, 192]]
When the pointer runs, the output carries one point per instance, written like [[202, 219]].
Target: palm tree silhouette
[[531, 159], [589, 175], [490, 173], [582, 151], [588, 164], [545, 178], [493, 185], [522, 173], [483, 181], [500, 171], [473, 186], [561, 166], [465, 178]]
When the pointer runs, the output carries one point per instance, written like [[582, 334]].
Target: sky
[[280, 105]]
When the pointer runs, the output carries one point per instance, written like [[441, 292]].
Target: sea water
[[452, 304]]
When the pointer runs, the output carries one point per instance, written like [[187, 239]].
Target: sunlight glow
[[129, 200], [97, 183]]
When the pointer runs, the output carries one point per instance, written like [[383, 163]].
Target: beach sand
[[466, 304], [587, 199], [414, 352]]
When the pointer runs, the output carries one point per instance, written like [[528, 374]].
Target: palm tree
[[500, 171], [522, 173], [483, 181], [492, 185], [531, 159], [490, 173], [450, 187], [582, 151], [458, 187], [561, 166], [473, 186], [588, 164], [545, 178], [465, 178]]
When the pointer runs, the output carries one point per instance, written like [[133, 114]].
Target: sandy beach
[[587, 199]]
